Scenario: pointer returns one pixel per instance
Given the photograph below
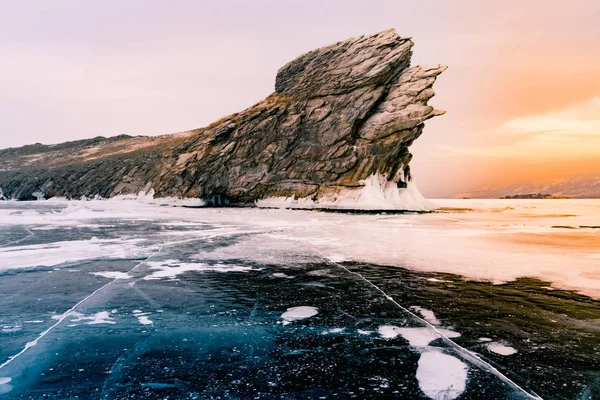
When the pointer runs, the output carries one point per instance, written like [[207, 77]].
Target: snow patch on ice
[[282, 275], [50, 254], [11, 328], [416, 337], [438, 280], [376, 194], [148, 198], [363, 332], [334, 330], [428, 315], [4, 384], [484, 339], [501, 349], [297, 313], [102, 317], [172, 268], [112, 274], [441, 376], [144, 320]]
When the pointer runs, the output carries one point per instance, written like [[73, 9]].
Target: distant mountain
[[581, 187], [535, 196]]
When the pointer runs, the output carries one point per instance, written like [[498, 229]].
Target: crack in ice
[[465, 353], [69, 312], [19, 240]]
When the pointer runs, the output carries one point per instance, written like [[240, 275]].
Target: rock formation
[[339, 115]]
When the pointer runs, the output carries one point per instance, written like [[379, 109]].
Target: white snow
[[4, 380], [496, 240], [297, 313], [148, 198], [112, 274], [334, 330], [144, 320], [171, 268], [484, 339], [416, 337], [102, 317], [427, 315], [282, 275], [441, 376], [501, 349], [376, 194], [363, 332], [57, 253]]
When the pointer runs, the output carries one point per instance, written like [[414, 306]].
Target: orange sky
[[523, 100], [521, 91]]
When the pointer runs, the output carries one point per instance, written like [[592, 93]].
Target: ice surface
[[441, 376], [497, 240], [501, 349], [377, 194], [297, 313]]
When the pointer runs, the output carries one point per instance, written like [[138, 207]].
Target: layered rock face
[[339, 115]]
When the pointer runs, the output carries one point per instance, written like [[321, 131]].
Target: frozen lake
[[121, 299]]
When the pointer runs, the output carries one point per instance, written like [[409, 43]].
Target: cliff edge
[[335, 133]]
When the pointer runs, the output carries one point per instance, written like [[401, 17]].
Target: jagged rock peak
[[340, 115], [344, 66]]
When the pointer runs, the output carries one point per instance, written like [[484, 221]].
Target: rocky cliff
[[339, 115]]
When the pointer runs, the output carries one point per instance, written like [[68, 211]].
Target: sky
[[522, 91]]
